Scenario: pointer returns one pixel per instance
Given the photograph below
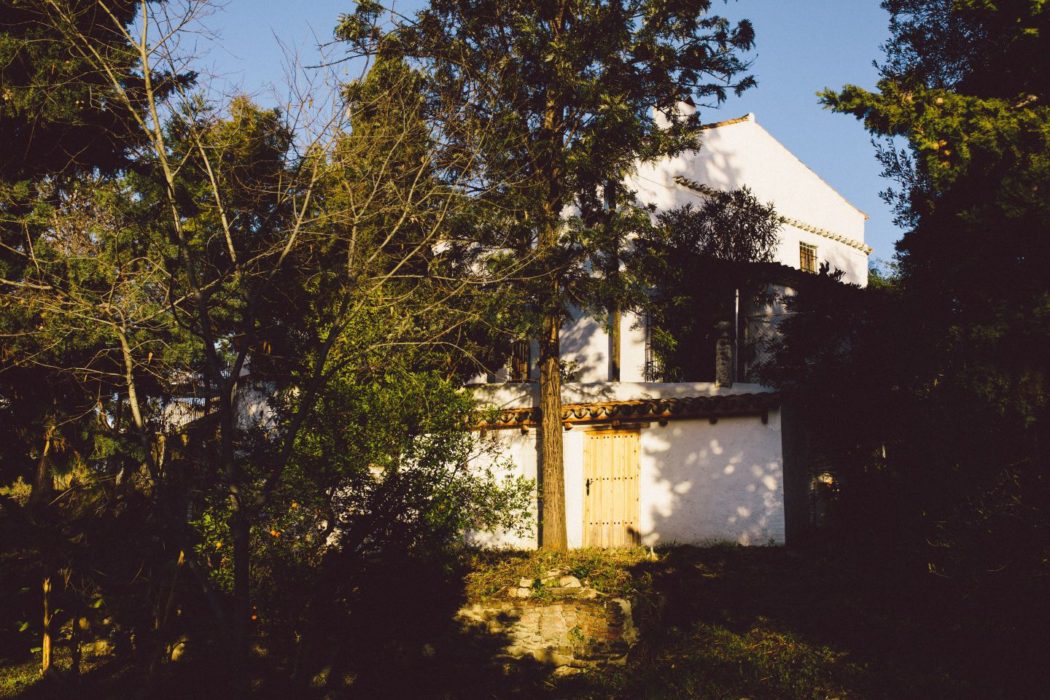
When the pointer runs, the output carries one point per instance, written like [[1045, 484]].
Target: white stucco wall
[[585, 345], [700, 482], [521, 395], [517, 451], [735, 154], [703, 482], [632, 348], [740, 153]]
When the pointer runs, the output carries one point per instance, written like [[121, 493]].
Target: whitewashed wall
[[585, 345], [738, 153], [741, 152], [700, 482], [518, 451], [703, 482]]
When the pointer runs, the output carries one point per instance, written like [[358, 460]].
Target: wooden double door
[[611, 472]]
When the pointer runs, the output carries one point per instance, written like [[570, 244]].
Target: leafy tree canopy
[[58, 112], [690, 265], [965, 84], [558, 100], [952, 380]]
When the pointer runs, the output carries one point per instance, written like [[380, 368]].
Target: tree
[[62, 121], [559, 98], [692, 265], [952, 355], [59, 113], [973, 111], [242, 273]]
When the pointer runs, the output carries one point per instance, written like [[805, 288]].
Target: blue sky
[[802, 47]]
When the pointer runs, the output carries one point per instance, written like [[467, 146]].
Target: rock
[[569, 582], [525, 582], [563, 671], [321, 679], [178, 650], [550, 578], [578, 627], [555, 657]]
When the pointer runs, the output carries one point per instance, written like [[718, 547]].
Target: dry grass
[[606, 570]]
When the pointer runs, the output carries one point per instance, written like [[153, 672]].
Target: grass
[[699, 638], [15, 679], [607, 571], [22, 680], [718, 622], [731, 622]]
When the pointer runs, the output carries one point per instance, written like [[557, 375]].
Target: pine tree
[[961, 353], [558, 98]]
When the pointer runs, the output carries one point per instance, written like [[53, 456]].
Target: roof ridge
[[749, 117]]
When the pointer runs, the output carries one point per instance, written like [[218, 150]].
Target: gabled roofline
[[701, 188], [750, 117]]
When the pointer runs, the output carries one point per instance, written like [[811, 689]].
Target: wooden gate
[[610, 503]]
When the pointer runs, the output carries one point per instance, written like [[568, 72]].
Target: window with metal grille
[[651, 370], [807, 257]]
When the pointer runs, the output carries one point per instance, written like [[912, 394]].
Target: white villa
[[663, 463]]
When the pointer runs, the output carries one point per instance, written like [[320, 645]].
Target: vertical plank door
[[610, 503]]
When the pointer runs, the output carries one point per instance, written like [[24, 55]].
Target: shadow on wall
[[655, 183], [703, 482], [699, 482], [585, 348]]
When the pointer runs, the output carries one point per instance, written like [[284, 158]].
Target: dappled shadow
[[704, 481], [715, 165], [584, 344]]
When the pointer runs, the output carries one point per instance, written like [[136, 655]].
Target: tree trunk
[[75, 646], [45, 643], [553, 536], [240, 531], [552, 455]]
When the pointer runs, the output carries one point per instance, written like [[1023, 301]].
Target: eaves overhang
[[615, 413]]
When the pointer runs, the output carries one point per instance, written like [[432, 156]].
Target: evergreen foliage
[[224, 333], [691, 266], [929, 391], [558, 99]]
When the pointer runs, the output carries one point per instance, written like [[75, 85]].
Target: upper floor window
[[807, 257]]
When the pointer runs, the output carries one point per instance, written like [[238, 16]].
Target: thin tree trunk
[[552, 455], [240, 530], [45, 644], [75, 646], [43, 488], [613, 274]]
